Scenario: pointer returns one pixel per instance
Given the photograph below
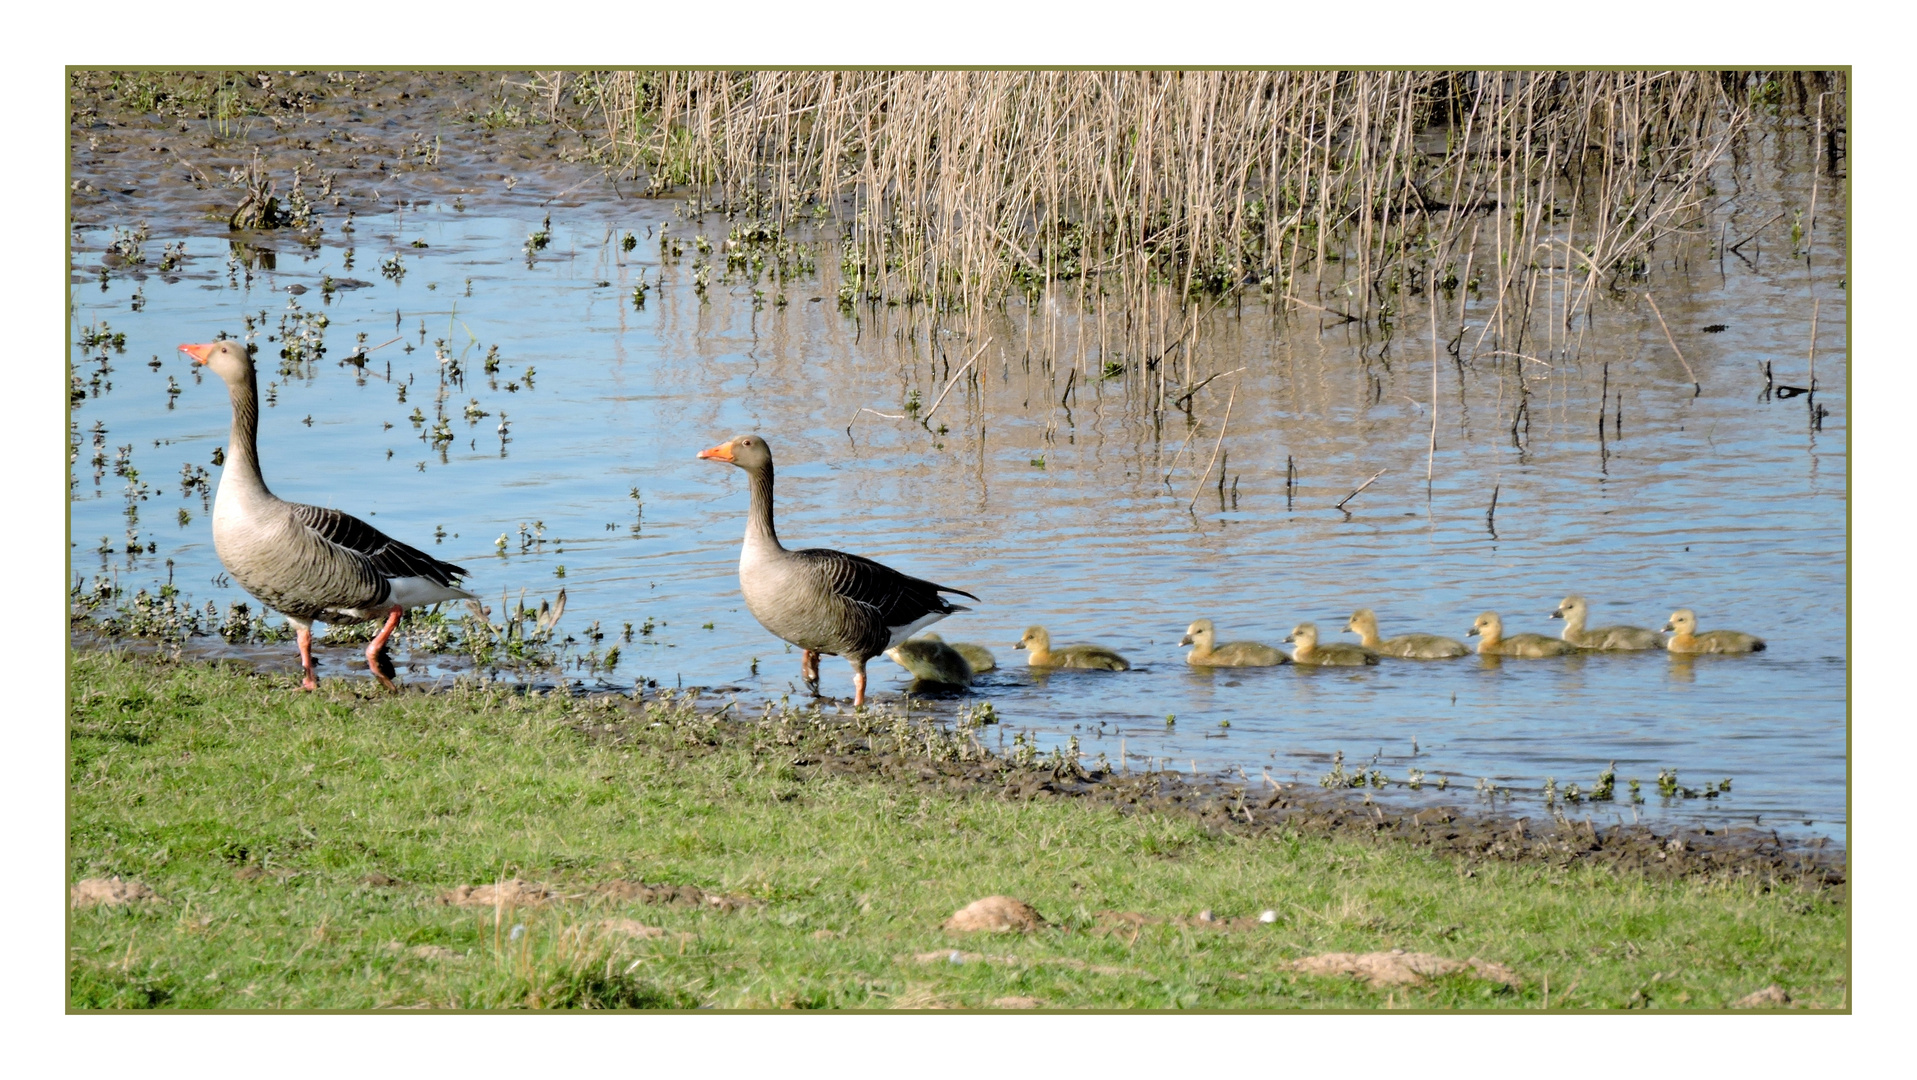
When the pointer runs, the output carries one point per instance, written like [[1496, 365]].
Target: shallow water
[[1722, 501]]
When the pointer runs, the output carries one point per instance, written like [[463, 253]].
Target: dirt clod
[[1771, 997], [110, 891], [996, 914], [379, 880], [1401, 968], [511, 893], [1015, 1003]]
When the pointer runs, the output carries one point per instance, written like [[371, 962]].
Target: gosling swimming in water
[[1411, 646], [931, 661], [1335, 654], [1492, 642], [978, 656], [1042, 655], [1686, 639], [1605, 638], [1207, 653]]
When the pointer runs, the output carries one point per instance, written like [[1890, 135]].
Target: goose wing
[[896, 599], [362, 543]]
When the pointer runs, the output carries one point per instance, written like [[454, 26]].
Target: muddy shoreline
[[1470, 836]]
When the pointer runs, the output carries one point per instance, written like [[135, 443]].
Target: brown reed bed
[[1150, 197]]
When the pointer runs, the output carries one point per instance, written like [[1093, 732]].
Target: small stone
[[1268, 916]]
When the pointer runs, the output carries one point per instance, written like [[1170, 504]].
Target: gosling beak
[[1670, 628], [1291, 637], [1473, 632], [1558, 614], [1186, 640], [721, 452], [199, 353]]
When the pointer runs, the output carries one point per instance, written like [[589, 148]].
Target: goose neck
[[242, 468], [759, 528]]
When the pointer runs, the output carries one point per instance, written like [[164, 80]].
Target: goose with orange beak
[[309, 563], [826, 602]]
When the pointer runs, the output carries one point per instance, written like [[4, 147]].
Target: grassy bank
[[302, 849]]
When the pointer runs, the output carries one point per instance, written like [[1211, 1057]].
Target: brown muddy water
[[1051, 491]]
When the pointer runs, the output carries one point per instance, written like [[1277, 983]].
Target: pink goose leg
[[376, 659], [304, 635]]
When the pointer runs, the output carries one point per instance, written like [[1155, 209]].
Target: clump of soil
[[111, 892], [1016, 1003], [1401, 968], [670, 894], [512, 893], [995, 914], [1771, 997]]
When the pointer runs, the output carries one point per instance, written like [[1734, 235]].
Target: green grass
[[258, 813]]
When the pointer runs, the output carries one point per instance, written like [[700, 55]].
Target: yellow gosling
[[1335, 654], [1042, 655], [978, 656], [1605, 638], [1686, 639], [1206, 652], [1489, 629], [1410, 646], [931, 661]]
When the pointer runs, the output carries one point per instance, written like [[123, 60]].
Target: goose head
[[1683, 621], [1036, 639], [1487, 624], [1199, 633], [1305, 634], [227, 358], [1362, 623], [745, 451], [1572, 608]]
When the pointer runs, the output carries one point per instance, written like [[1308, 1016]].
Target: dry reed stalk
[[1143, 195], [1696, 387], [1214, 449]]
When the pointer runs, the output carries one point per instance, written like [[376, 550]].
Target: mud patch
[[995, 914], [1016, 1003], [1401, 968], [110, 892], [511, 893], [691, 895], [1130, 922]]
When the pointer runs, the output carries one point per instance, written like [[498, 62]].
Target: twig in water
[[1491, 515], [1696, 387], [1214, 450], [1179, 401], [954, 381], [1326, 310], [1754, 232], [1361, 487]]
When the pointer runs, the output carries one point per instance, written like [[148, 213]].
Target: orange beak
[[199, 353], [721, 452]]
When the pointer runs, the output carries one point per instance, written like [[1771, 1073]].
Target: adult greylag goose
[[978, 657], [931, 660], [1040, 653], [1574, 611], [309, 563], [824, 601], [1364, 623], [1686, 639], [1206, 652], [1333, 654], [1489, 629]]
